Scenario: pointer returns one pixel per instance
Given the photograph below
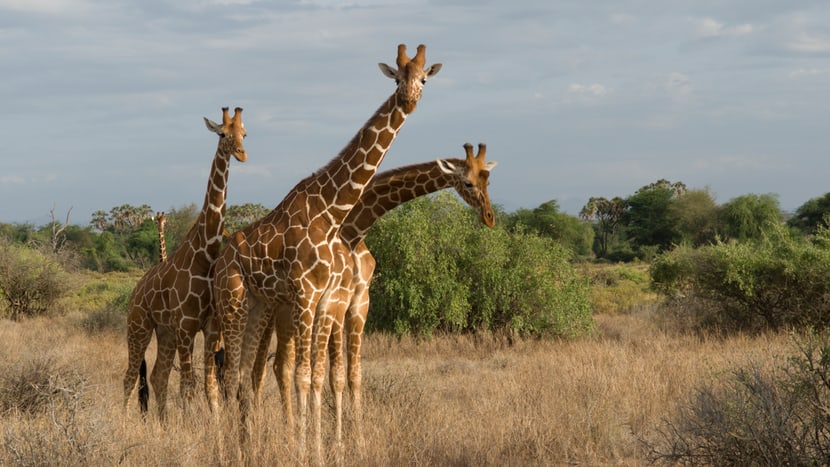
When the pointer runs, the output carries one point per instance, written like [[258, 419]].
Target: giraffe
[[173, 298], [282, 267], [387, 190], [161, 220]]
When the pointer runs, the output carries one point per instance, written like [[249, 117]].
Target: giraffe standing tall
[[470, 177], [160, 221], [282, 267], [174, 298]]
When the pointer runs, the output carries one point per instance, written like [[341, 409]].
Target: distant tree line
[[439, 270]]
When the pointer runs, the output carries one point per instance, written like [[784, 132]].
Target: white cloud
[[807, 44], [709, 27], [587, 90], [12, 180], [43, 6], [807, 72]]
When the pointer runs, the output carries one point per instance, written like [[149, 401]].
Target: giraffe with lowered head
[[173, 298], [283, 266], [470, 177]]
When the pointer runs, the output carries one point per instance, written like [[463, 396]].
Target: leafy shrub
[[108, 300], [774, 282], [438, 269], [619, 288], [30, 281], [758, 417]]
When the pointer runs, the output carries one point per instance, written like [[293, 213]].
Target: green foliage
[[438, 269], [30, 281], [143, 244], [695, 215], [777, 281], [811, 214], [606, 215], [758, 417], [748, 217], [647, 218], [239, 216], [179, 222], [619, 288], [103, 300], [546, 220]]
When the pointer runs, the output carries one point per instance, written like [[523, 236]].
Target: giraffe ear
[[388, 71], [445, 166], [213, 126], [490, 166], [433, 70]]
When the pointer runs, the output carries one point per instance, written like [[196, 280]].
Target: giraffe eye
[[423, 81], [468, 184]]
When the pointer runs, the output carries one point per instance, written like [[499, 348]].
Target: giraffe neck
[[206, 233], [340, 184], [162, 245], [390, 189]]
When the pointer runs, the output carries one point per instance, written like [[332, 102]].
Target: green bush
[[757, 417], [438, 269], [30, 282], [775, 282]]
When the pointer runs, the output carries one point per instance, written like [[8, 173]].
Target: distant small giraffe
[[161, 220]]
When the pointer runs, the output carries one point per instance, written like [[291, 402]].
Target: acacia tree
[[547, 220], [811, 214], [695, 214], [647, 217], [606, 215], [747, 217]]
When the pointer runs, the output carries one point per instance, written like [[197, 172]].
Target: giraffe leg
[[184, 347], [212, 346], [337, 380], [284, 365], [319, 347], [355, 323], [259, 371], [302, 374], [160, 376], [139, 333]]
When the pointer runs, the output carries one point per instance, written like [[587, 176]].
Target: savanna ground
[[605, 399]]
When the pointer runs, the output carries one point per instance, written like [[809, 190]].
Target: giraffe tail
[[143, 389], [219, 360]]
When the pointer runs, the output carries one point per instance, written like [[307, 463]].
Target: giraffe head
[[410, 76], [160, 219], [472, 179], [231, 133]]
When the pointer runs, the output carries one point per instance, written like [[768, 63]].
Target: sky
[[103, 99]]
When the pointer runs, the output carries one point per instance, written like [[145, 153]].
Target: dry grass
[[448, 401]]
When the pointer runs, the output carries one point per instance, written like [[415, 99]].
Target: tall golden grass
[[463, 400]]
